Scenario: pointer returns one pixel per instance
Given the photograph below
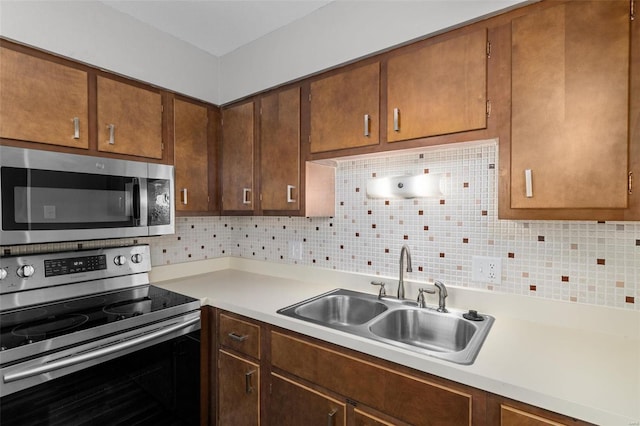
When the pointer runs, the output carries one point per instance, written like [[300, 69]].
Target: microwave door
[[45, 205]]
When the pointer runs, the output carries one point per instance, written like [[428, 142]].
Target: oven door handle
[[67, 362]]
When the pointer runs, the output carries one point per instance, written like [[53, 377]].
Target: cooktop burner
[[44, 322]]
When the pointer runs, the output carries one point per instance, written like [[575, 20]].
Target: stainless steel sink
[[341, 309], [425, 329], [446, 336]]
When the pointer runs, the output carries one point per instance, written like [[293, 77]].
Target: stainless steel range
[[67, 318]]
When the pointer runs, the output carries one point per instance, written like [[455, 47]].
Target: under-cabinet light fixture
[[410, 186]]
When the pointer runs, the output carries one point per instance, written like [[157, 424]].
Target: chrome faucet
[[404, 251], [442, 294]]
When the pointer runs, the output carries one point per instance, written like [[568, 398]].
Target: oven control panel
[[18, 273], [74, 265]]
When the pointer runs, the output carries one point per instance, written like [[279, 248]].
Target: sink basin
[[341, 309], [402, 324], [425, 329]]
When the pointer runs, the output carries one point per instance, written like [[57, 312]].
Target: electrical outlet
[[486, 269], [295, 250]]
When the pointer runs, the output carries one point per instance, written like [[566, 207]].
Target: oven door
[[149, 375], [157, 385]]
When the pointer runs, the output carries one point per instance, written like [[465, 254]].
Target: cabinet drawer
[[392, 392], [239, 335]]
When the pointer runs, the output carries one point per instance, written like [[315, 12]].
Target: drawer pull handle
[[112, 134], [237, 337], [367, 126], [248, 387], [396, 119], [246, 195], [528, 183], [331, 416], [290, 198], [76, 128], [185, 200]]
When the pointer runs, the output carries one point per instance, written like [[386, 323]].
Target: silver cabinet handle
[[107, 350], [331, 416], [112, 134], [246, 192], [237, 337], [185, 200], [248, 387], [396, 119], [528, 183], [290, 198], [367, 120], [76, 128]]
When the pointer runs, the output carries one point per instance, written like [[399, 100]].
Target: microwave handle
[[136, 201]]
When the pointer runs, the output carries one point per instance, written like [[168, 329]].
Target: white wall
[[90, 32], [338, 33]]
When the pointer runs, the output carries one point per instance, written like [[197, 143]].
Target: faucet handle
[[382, 292], [422, 303]]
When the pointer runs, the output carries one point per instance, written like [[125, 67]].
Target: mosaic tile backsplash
[[584, 262]]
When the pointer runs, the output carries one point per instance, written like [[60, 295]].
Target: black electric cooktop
[[47, 321]]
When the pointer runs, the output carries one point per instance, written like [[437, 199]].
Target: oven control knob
[[25, 271], [3, 274], [136, 258], [120, 260]]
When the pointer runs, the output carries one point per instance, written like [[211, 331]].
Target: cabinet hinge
[[630, 183], [309, 97], [488, 49], [488, 108], [632, 10]]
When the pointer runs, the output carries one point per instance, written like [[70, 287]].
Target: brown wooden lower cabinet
[[293, 404], [298, 380], [505, 412], [238, 391]]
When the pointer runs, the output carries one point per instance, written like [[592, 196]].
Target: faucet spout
[[442, 295], [404, 252]]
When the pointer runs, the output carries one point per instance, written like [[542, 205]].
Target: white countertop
[[581, 361]]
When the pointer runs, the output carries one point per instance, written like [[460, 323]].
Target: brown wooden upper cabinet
[[192, 155], [280, 151], [129, 119], [237, 158], [570, 108], [438, 88], [43, 101], [345, 109]]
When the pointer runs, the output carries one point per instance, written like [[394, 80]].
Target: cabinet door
[[191, 156], [570, 106], [293, 404], [238, 391], [364, 418], [438, 89], [280, 150], [237, 158], [129, 119], [513, 417], [42, 101], [345, 109]]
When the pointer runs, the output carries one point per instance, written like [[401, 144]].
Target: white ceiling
[[217, 26]]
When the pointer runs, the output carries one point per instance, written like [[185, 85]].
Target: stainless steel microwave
[[51, 197]]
